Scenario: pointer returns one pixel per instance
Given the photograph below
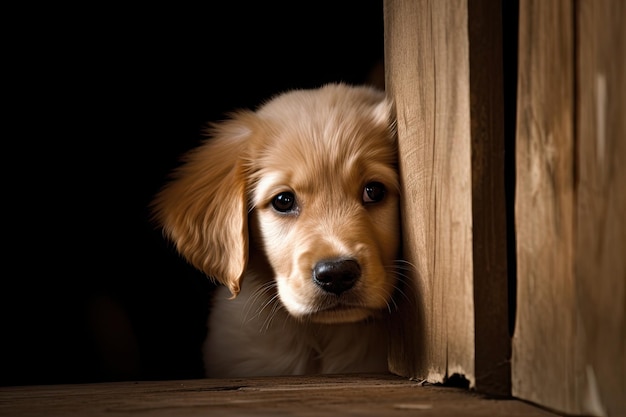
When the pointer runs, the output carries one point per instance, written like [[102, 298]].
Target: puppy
[[294, 208]]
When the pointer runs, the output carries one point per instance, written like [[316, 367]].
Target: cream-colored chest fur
[[251, 336]]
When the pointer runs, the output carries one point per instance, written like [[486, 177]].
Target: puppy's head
[[315, 173]]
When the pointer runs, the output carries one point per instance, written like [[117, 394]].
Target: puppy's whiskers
[[404, 265], [276, 307], [403, 271], [383, 294], [256, 301]]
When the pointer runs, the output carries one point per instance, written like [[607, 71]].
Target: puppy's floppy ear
[[203, 210]]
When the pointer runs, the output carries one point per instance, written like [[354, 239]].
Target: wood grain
[[600, 261], [335, 395], [569, 345], [444, 70], [543, 357], [427, 61]]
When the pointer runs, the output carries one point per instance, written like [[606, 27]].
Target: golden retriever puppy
[[294, 208]]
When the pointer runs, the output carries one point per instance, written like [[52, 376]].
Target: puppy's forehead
[[319, 140], [333, 100], [331, 123]]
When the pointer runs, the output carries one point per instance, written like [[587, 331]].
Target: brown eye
[[373, 192], [284, 202]]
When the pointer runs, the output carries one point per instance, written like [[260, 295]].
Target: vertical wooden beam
[[444, 70], [543, 357], [427, 63], [569, 345], [601, 206]]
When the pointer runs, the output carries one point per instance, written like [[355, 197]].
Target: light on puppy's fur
[[294, 208]]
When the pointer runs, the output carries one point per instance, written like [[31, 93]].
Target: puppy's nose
[[336, 275]]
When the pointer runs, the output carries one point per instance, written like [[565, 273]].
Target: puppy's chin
[[341, 315]]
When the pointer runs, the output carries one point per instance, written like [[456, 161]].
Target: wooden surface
[[543, 357], [446, 79], [427, 74], [569, 343], [295, 396], [601, 203]]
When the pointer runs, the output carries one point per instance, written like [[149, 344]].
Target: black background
[[103, 102]]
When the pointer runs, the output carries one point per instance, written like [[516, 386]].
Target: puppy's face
[[315, 172], [324, 188]]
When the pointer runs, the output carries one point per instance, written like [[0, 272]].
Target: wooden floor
[[362, 395]]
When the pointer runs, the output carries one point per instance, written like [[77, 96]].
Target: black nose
[[336, 275]]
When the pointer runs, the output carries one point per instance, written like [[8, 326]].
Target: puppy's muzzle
[[336, 275]]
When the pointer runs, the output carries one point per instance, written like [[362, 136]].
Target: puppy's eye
[[373, 192], [284, 202]]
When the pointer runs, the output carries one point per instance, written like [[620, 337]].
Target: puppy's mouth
[[329, 309], [346, 308]]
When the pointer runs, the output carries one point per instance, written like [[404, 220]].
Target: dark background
[[103, 103]]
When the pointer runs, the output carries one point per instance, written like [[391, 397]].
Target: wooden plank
[[543, 360], [601, 205], [427, 63], [336, 395], [569, 344]]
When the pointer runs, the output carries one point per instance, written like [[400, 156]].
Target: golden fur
[[294, 209]]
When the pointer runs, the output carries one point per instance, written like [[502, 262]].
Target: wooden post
[[544, 331], [451, 160], [569, 343], [601, 203], [428, 68]]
